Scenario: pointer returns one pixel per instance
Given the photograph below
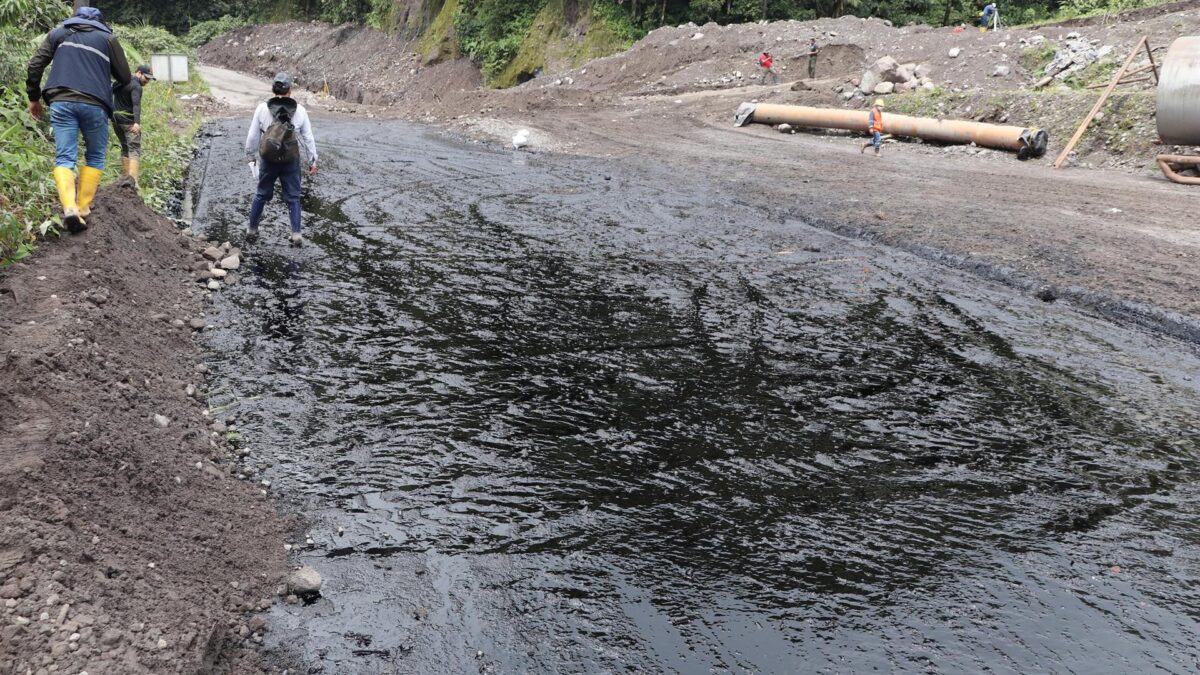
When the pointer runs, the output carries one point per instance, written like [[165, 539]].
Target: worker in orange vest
[[875, 127]]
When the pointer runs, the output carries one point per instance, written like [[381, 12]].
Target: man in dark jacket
[[84, 58], [127, 120]]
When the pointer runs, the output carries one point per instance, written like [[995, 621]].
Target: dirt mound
[[125, 545], [357, 64]]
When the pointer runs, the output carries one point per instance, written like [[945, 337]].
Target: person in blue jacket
[[84, 58], [989, 11]]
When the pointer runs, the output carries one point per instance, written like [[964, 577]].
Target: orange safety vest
[[877, 120]]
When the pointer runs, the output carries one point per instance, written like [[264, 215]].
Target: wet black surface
[[581, 416]]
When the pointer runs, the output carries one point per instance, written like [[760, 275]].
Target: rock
[[953, 53], [197, 323], [867, 82], [304, 581], [698, 36], [218, 273], [219, 426], [214, 285], [884, 88], [190, 390], [162, 421], [10, 590], [800, 85], [928, 86], [907, 72], [1001, 71], [231, 263], [849, 94], [886, 69], [213, 253], [922, 71], [178, 323], [1046, 294], [256, 624], [200, 368]]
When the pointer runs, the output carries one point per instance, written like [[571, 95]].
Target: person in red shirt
[[766, 61]]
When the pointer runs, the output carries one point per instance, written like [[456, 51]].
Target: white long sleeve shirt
[[262, 120]]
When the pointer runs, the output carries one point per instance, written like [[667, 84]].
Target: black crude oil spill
[[551, 414]]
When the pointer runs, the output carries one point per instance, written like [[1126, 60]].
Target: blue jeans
[[876, 139], [289, 176], [69, 118]]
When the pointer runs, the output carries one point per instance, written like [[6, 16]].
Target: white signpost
[[170, 67]]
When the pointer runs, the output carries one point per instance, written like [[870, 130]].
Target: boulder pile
[[887, 75]]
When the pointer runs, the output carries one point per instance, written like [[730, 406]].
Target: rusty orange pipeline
[[1025, 142]]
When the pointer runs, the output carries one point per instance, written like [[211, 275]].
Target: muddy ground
[[551, 413], [126, 546], [1119, 241]]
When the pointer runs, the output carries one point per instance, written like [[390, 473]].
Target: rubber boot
[[134, 169], [89, 180], [124, 166], [64, 180]]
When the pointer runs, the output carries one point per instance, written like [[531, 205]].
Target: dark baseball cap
[[145, 70], [90, 13], [282, 80]]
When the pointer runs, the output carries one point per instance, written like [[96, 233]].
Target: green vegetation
[[205, 31], [28, 201], [1035, 59]]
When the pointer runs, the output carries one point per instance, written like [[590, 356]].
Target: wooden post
[[1062, 157], [1153, 65]]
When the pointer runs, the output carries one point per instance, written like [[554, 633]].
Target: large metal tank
[[1179, 93]]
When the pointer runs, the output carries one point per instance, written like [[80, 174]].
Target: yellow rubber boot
[[124, 166], [64, 180], [89, 180], [135, 169]]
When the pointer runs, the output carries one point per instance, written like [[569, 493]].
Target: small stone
[[304, 581], [218, 426], [178, 323], [197, 323], [162, 421], [218, 273], [1115, 569], [953, 53], [162, 643], [884, 88], [213, 285], [213, 253], [257, 624], [200, 368], [422, 614], [74, 637], [231, 263], [190, 390], [1001, 71], [110, 637]]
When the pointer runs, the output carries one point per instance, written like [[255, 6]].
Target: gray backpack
[[279, 144]]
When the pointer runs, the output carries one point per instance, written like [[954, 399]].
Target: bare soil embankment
[[1119, 240], [126, 544]]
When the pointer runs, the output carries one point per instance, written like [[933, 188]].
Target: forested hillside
[[495, 17]]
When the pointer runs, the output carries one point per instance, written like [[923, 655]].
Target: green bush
[[26, 153], [37, 16], [206, 31]]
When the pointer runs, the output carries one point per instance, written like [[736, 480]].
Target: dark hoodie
[[84, 57]]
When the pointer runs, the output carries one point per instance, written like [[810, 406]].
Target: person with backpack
[[279, 127], [84, 58]]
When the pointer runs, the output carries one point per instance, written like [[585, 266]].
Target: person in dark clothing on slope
[[127, 120], [84, 58]]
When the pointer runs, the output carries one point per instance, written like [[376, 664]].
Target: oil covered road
[[560, 414]]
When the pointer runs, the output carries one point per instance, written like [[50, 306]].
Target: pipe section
[[1025, 142], [1179, 93]]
